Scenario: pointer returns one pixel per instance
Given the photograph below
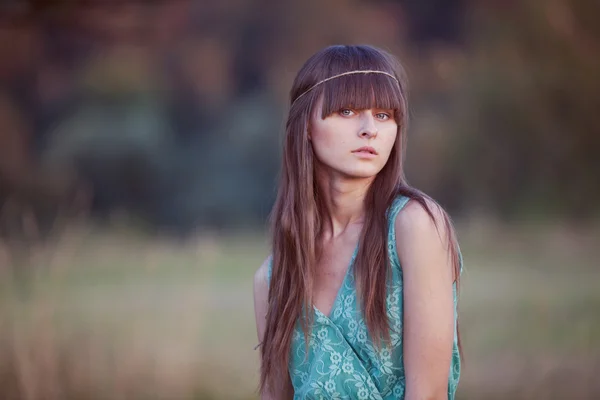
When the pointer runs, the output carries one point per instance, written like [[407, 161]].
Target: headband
[[367, 71]]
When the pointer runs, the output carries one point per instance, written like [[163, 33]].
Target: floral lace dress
[[342, 361]]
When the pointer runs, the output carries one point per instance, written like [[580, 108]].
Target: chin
[[363, 173]]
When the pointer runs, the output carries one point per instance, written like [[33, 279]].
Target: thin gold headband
[[366, 71]]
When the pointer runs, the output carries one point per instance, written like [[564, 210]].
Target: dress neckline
[[340, 289]]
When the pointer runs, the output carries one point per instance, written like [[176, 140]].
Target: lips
[[366, 149]]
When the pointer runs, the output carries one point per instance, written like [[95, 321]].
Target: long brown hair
[[298, 215]]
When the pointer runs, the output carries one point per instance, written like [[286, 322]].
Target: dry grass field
[[117, 316]]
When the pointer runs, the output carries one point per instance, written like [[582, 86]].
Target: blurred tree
[[435, 21], [527, 123], [174, 110]]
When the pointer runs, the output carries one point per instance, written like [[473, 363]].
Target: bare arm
[[261, 293], [428, 301]]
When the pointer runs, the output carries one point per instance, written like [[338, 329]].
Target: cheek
[[389, 138], [322, 140], [326, 141]]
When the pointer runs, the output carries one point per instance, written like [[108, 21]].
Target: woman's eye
[[383, 116], [346, 112]]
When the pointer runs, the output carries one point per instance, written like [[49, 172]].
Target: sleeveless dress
[[342, 361]]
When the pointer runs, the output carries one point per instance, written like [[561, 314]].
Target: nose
[[368, 129]]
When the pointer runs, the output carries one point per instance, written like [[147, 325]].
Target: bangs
[[361, 92]]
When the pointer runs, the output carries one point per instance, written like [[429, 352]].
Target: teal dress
[[342, 361]]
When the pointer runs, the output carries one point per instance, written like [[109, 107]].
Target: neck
[[343, 198]]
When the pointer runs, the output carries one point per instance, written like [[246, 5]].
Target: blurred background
[[139, 149]]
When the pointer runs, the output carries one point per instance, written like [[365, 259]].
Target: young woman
[[358, 298]]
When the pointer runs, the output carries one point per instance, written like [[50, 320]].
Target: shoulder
[[261, 276], [421, 234], [414, 218]]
